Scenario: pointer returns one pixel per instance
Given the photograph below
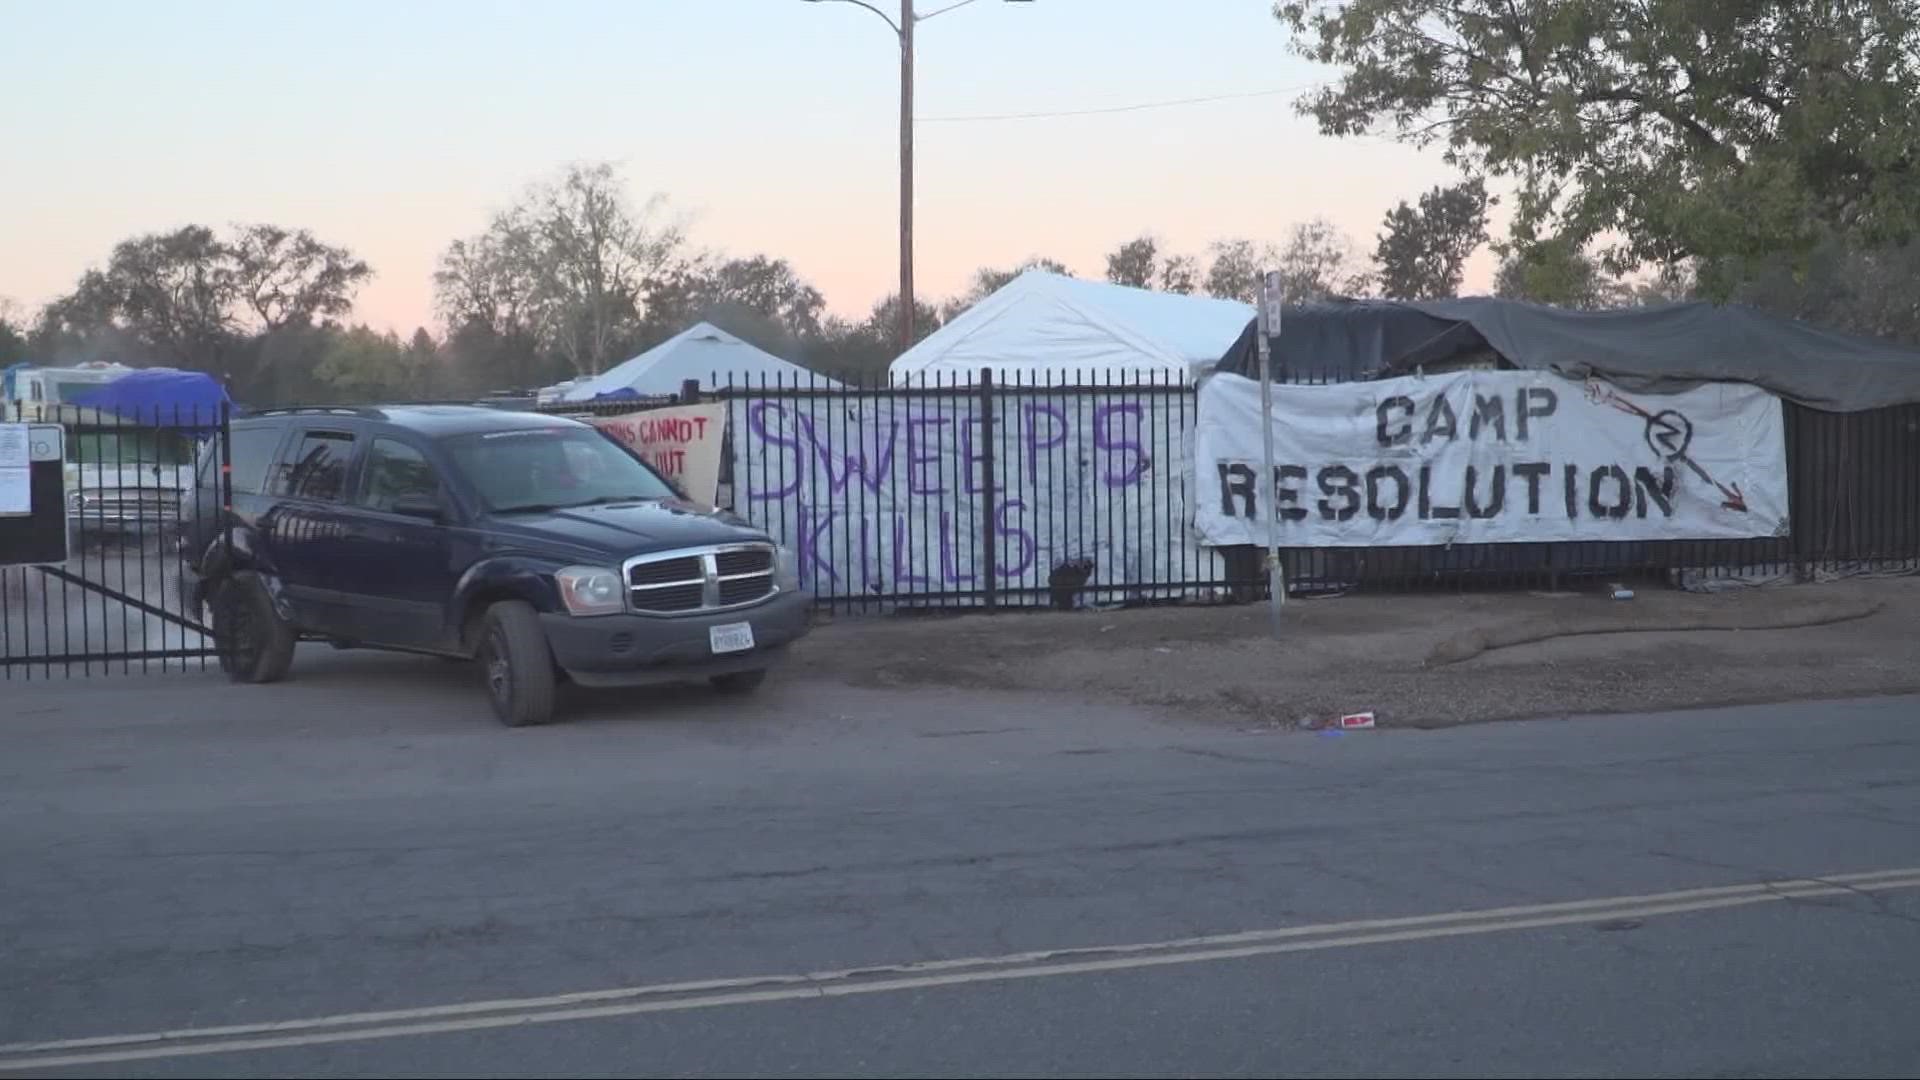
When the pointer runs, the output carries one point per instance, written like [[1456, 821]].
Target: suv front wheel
[[516, 663]]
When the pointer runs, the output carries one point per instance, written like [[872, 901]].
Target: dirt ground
[[1415, 660]]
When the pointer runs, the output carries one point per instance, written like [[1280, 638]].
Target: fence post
[[989, 478]]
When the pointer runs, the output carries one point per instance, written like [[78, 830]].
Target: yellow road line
[[714, 993]]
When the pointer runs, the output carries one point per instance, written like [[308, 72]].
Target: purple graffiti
[[949, 564], [1028, 547], [903, 556], [853, 464], [922, 452], [1106, 439], [968, 459], [807, 547], [1033, 444], [757, 424]]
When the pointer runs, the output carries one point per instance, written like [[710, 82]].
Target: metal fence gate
[[118, 605]]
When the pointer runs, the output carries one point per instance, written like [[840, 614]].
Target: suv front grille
[[745, 561], [667, 572], [705, 579]]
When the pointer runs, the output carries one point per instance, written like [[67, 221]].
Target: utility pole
[[903, 30], [907, 19]]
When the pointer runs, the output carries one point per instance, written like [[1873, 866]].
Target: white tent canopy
[[702, 352], [1051, 329]]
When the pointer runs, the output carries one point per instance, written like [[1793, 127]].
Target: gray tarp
[[1646, 349]]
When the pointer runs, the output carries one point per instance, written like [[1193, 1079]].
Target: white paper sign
[[1479, 457], [16, 490], [682, 442], [13, 446]]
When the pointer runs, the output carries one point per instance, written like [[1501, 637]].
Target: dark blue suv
[[532, 544]]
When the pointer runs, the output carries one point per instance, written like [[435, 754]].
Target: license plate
[[733, 637]]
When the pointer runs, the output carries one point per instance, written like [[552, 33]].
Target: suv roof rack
[[366, 411]]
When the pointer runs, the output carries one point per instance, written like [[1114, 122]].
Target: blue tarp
[[164, 397]]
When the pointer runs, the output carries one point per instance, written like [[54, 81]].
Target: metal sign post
[[1272, 294]]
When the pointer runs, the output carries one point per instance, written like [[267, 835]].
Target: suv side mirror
[[417, 506]]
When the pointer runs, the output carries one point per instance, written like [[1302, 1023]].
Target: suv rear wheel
[[517, 664], [255, 643]]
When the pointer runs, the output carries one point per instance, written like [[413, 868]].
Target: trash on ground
[[1356, 721]]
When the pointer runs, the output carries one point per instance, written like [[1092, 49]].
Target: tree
[[1555, 271], [481, 359], [1710, 130], [1138, 264], [989, 280], [713, 290], [985, 282], [1421, 252], [173, 290], [1179, 274], [363, 365], [863, 350], [163, 296], [1859, 290], [284, 276], [569, 261], [1318, 263], [13, 333], [1134, 263], [477, 285], [1234, 268], [423, 361], [188, 298]]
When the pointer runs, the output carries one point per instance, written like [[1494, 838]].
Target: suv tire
[[739, 682], [255, 643], [516, 663]]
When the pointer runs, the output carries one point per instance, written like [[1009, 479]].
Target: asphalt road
[[181, 855]]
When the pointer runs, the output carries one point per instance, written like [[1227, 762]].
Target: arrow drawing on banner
[[1670, 435]]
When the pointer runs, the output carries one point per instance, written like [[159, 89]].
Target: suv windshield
[[552, 468]]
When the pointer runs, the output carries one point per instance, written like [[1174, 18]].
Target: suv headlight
[[591, 590], [786, 569]]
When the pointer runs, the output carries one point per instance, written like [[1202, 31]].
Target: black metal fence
[[118, 602], [1078, 491], [969, 493], [958, 492]]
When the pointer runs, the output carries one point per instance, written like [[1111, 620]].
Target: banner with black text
[[1476, 457]]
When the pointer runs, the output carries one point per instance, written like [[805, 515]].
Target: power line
[[1134, 107]]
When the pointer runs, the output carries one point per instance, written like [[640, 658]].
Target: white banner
[[887, 494], [682, 442], [1478, 457]]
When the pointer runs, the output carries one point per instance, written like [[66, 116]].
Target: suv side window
[[316, 468], [393, 471], [251, 451]]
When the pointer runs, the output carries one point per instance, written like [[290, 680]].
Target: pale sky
[[393, 127]]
